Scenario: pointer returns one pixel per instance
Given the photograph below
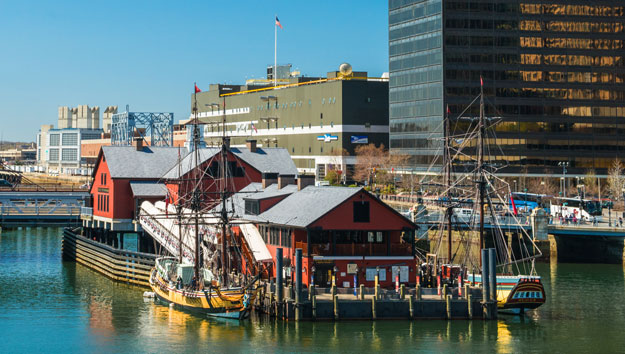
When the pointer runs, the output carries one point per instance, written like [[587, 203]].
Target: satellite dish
[[345, 69]]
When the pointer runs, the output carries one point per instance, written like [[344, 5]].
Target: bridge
[[40, 207]]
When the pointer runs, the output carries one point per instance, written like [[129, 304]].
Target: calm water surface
[[47, 305]]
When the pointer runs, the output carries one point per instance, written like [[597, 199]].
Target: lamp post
[[610, 210], [312, 275], [564, 165]]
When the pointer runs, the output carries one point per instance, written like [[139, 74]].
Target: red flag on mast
[[197, 89], [481, 81], [513, 205]]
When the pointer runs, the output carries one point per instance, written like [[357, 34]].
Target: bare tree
[[369, 159], [591, 186], [616, 181]]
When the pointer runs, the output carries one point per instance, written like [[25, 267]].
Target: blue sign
[[360, 139], [327, 138]]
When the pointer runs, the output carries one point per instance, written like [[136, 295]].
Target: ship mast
[[196, 198], [480, 164], [223, 195], [447, 164]]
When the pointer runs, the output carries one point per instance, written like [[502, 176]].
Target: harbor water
[[47, 305]]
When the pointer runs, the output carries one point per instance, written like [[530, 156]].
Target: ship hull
[[515, 293], [224, 303]]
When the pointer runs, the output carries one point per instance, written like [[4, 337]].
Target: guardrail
[[86, 211], [120, 265]]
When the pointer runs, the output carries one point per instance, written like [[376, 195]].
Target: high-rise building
[[553, 70]]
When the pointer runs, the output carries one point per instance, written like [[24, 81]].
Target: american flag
[[254, 127], [278, 23]]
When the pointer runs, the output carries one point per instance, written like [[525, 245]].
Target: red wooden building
[[346, 232]]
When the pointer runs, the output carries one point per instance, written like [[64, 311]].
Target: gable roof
[[302, 208], [152, 190], [151, 162], [276, 160], [254, 191]]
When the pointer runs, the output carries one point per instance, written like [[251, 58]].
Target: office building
[[552, 70], [319, 121]]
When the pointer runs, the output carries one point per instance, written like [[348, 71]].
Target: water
[[53, 306]]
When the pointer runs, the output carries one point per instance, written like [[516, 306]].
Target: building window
[[321, 115], [54, 140], [361, 211], [69, 155], [332, 124], [70, 139], [309, 149], [309, 102], [252, 207], [54, 154]]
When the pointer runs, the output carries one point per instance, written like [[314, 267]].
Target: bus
[[584, 209], [526, 202]]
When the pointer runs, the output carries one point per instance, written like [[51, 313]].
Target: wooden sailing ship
[[478, 193], [206, 285]]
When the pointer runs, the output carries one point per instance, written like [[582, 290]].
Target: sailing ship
[[519, 287], [201, 279]]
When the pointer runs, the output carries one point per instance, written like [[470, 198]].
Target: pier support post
[[336, 307], [402, 291], [418, 292], [411, 306], [279, 284], [362, 291], [377, 287], [373, 308], [311, 290], [470, 304], [444, 293], [492, 273], [314, 306], [298, 284], [448, 306], [467, 288]]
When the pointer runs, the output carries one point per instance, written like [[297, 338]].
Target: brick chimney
[[269, 178], [251, 145], [138, 143], [285, 180], [304, 181]]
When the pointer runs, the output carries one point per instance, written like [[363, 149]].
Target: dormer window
[[252, 207]]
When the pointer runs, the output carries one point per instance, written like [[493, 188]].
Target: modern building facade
[[553, 70], [319, 121], [59, 150]]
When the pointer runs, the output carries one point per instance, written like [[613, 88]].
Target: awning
[[255, 243]]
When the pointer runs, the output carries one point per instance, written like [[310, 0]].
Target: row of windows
[[276, 236], [569, 26], [425, 108], [428, 24], [575, 10], [416, 92], [416, 76], [348, 237], [103, 202], [55, 139], [54, 155], [571, 43], [294, 104], [414, 44], [422, 9], [428, 57], [540, 109], [535, 75], [413, 143], [417, 125], [551, 93]]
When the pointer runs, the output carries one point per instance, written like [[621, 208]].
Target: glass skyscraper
[[553, 71]]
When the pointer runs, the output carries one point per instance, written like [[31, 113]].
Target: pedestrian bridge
[[36, 207]]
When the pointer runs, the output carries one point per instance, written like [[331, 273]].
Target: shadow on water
[[74, 309]]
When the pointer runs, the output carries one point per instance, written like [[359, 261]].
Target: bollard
[[397, 284], [438, 284], [336, 307], [310, 291], [379, 292], [362, 291], [411, 306], [402, 291], [375, 284], [448, 306], [467, 288], [333, 290], [314, 307], [373, 309], [418, 292], [485, 277], [470, 303]]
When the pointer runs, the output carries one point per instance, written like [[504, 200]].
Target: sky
[[148, 54]]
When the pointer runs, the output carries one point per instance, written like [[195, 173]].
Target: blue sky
[[149, 53]]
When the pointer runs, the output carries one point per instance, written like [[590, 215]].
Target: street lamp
[[564, 165]]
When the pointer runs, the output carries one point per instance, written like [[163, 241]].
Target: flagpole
[[275, 51]]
